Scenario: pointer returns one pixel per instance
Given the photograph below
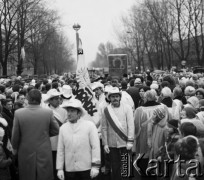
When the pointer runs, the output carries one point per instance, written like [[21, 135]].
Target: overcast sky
[[97, 18]]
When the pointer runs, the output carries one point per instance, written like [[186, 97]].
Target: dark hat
[[200, 90], [173, 123], [124, 84], [165, 84], [190, 112]]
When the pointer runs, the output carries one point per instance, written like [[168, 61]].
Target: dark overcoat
[[31, 133]]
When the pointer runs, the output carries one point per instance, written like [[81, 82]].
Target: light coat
[[124, 114], [78, 146]]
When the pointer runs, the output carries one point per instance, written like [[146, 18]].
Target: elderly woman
[[188, 114], [200, 93], [142, 117], [193, 102], [78, 145], [166, 96], [189, 91]]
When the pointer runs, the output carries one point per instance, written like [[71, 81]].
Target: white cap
[[52, 93], [74, 103], [66, 91], [114, 90]]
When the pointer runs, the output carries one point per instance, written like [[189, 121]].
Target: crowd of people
[[46, 133]]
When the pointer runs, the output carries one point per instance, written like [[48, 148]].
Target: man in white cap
[[117, 130], [60, 114], [98, 87], [78, 145]]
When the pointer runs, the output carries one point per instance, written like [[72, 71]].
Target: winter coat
[[31, 133], [141, 117]]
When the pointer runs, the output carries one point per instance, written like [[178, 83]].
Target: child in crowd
[[4, 162]]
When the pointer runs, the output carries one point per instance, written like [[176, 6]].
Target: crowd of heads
[[162, 88]]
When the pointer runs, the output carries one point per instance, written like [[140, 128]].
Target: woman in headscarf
[[189, 92], [193, 102], [188, 114], [200, 93]]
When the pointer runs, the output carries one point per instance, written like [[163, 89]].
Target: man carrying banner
[[117, 131]]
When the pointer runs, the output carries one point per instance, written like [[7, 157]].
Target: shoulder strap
[[58, 121]]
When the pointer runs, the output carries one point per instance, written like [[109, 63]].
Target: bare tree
[[8, 37], [196, 17], [167, 31], [28, 24], [102, 55]]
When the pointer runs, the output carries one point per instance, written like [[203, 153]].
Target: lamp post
[[76, 27], [132, 60]]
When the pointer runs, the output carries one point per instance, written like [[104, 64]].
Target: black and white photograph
[[101, 89]]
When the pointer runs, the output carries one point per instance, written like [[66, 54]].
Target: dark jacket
[[9, 118], [4, 165], [31, 133]]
